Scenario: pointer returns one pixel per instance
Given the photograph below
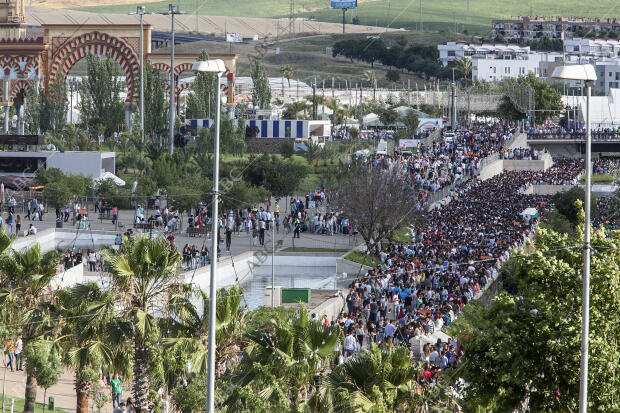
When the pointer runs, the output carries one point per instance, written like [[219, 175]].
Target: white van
[[382, 148]]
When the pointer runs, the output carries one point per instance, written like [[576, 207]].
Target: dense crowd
[[558, 132]]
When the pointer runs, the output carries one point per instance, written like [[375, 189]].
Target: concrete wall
[[68, 278], [492, 169], [227, 274], [523, 165], [63, 239], [331, 307], [547, 189]]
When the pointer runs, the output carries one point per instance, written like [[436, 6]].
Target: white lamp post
[[141, 11], [213, 66], [587, 74]]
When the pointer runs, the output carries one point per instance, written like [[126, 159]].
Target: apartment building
[[527, 28], [577, 48], [452, 51]]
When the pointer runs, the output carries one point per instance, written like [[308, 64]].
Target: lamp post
[[141, 11], [213, 66], [172, 10], [587, 74]]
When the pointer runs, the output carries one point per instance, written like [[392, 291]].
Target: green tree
[[261, 94], [292, 110], [464, 67], [25, 294], [388, 117], [565, 204], [279, 362], [155, 119], [524, 349], [189, 326], [392, 75], [43, 364], [46, 112], [280, 177], [515, 103], [377, 380], [370, 76], [100, 105], [143, 274], [287, 72], [93, 337], [202, 101]]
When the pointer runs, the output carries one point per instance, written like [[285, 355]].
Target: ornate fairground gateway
[[29, 61]]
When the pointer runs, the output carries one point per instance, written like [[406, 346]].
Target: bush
[[191, 398], [565, 204], [287, 149]]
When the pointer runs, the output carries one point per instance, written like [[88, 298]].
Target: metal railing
[[576, 136]]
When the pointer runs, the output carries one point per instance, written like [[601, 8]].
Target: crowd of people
[[559, 132], [520, 154], [421, 286]]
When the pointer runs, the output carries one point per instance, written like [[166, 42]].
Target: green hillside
[[437, 15]]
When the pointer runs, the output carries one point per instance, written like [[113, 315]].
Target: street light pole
[[585, 302], [141, 11], [213, 66], [273, 256], [172, 10]]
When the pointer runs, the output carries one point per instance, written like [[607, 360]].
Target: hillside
[[393, 13]]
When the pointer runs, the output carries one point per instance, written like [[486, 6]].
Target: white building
[[590, 48], [93, 164], [452, 51], [492, 69], [607, 74]]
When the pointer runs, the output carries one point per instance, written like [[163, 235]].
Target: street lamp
[[213, 66], [141, 11], [587, 74], [172, 10]]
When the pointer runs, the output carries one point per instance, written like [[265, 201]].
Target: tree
[[515, 102], [280, 177], [93, 337], [261, 94], [291, 110], [43, 364], [288, 72], [189, 326], [392, 75], [376, 201], [155, 119], [565, 204], [46, 112], [143, 273], [388, 117], [371, 77], [24, 298], [280, 360], [376, 380], [201, 103], [523, 350], [100, 104], [464, 67]]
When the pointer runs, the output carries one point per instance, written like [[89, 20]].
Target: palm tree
[[313, 152], [292, 109], [371, 77], [464, 67], [288, 72], [191, 327], [378, 379], [281, 360], [24, 296], [143, 272], [94, 336]]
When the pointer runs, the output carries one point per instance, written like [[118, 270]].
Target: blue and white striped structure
[[280, 128], [200, 123]]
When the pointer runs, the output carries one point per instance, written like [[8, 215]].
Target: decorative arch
[[183, 67], [17, 85], [98, 43], [161, 66]]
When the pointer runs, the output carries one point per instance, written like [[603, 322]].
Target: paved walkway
[[241, 242]]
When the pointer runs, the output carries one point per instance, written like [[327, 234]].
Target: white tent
[[109, 175], [372, 119]]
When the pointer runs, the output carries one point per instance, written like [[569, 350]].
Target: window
[[16, 165], [451, 53]]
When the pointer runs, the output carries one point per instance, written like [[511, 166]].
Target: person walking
[[18, 224], [261, 232], [117, 390], [9, 222], [297, 228], [10, 350], [19, 359]]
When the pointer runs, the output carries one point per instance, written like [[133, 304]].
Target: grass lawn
[[363, 258], [19, 405], [304, 249], [401, 234], [438, 15], [598, 179]]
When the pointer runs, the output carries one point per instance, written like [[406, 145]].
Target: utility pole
[[421, 22]]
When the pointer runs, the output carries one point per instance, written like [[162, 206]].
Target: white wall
[[84, 163], [498, 69]]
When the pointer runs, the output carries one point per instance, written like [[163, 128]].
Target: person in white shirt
[[32, 230], [350, 344]]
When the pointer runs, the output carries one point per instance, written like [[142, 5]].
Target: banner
[[344, 4], [408, 143], [234, 38]]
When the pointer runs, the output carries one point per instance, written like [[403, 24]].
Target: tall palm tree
[[144, 274], [94, 336], [371, 77], [313, 152], [282, 360], [24, 296], [293, 109], [288, 72], [190, 326], [378, 379], [464, 67]]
